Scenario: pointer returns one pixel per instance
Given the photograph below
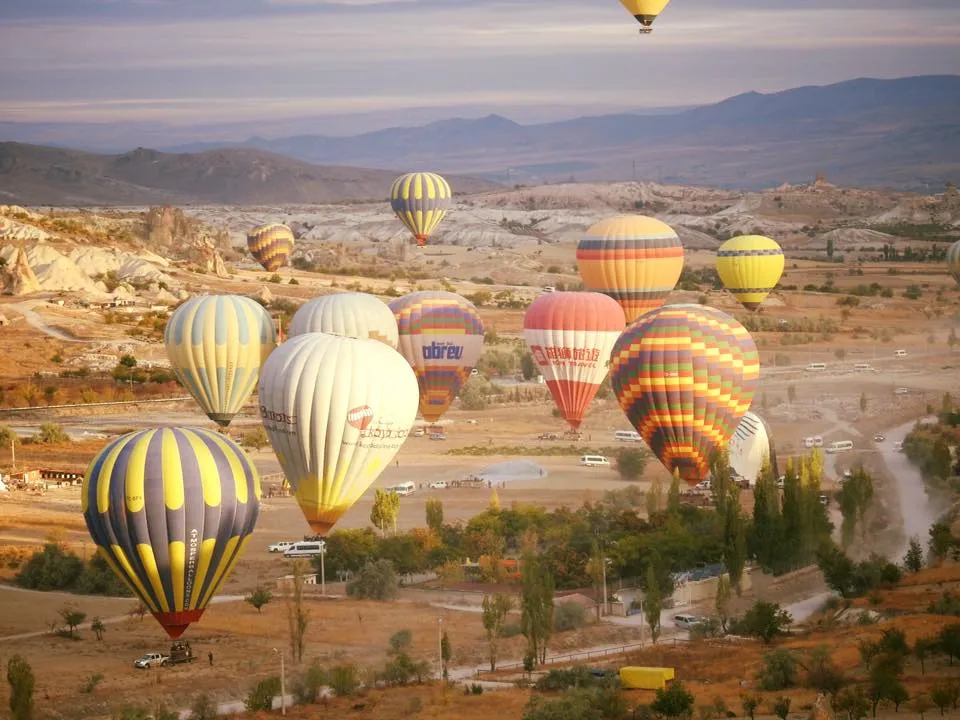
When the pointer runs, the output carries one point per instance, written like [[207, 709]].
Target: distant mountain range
[[898, 134], [902, 133], [38, 175]]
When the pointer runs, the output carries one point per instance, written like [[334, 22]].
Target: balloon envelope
[[645, 11], [750, 445], [420, 200], [216, 345], [953, 261], [685, 375], [441, 336], [570, 335], [349, 314], [271, 245], [634, 259], [750, 267], [336, 411], [171, 511]]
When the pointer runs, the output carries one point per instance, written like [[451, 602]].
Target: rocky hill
[[38, 175]]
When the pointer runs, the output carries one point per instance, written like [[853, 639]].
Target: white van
[[863, 367], [549, 289], [817, 441], [594, 461], [627, 436], [816, 367], [808, 441], [900, 353], [840, 446], [406, 488], [304, 549]]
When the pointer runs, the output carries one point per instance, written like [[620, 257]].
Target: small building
[[3, 321]]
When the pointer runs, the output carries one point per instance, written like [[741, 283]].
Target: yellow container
[[645, 678]]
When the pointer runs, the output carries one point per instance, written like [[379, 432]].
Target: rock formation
[[16, 277]]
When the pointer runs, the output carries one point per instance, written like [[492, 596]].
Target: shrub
[[309, 686], [51, 433], [779, 671], [375, 581], [577, 704], [344, 680], [262, 694], [569, 616], [675, 701], [631, 463], [203, 708]]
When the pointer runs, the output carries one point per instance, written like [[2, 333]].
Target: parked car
[[151, 660], [548, 436], [439, 485], [279, 547], [824, 500], [901, 391], [438, 436], [419, 432], [687, 621], [703, 485], [878, 438]]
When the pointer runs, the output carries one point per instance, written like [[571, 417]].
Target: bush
[[569, 616], [675, 701], [566, 678], [779, 671], [309, 686], [631, 463], [262, 695], [577, 704], [51, 433], [344, 680], [764, 620], [53, 568], [203, 708], [21, 680], [375, 581]]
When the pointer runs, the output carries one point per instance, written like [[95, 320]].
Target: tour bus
[[900, 353], [627, 436], [406, 488], [594, 461], [840, 446], [814, 367]]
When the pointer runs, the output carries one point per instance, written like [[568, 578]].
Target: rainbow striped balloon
[[171, 511], [634, 259], [685, 375], [420, 200], [441, 336], [271, 245]]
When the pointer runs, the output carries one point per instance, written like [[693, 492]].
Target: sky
[[347, 65]]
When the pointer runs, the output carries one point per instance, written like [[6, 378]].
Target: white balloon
[[349, 314], [749, 447], [336, 411]]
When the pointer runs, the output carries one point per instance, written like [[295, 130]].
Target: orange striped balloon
[[634, 259], [271, 245], [685, 375]]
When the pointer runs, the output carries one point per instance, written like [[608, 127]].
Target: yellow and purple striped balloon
[[420, 200], [953, 261], [271, 245], [441, 336], [171, 511], [685, 375], [636, 260]]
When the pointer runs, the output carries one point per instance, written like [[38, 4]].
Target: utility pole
[[13, 451], [283, 684], [323, 570], [606, 604], [440, 648]]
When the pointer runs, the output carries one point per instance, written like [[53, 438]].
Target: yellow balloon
[[750, 267], [645, 11]]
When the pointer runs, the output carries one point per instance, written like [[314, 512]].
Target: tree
[[921, 704], [21, 681], [722, 602], [942, 695], [654, 499], [494, 503], [885, 685], [528, 367], [765, 620], [255, 438], [446, 653], [674, 701], [98, 627], [781, 708], [53, 568], [495, 609], [852, 702], [750, 703], [344, 680], [631, 463], [735, 543], [941, 540], [913, 560], [830, 247], [298, 618], [72, 618], [434, 514], [948, 641], [258, 597], [536, 605], [376, 581], [855, 498], [673, 496], [262, 694], [386, 509], [51, 434], [822, 673], [863, 402], [779, 671], [922, 649], [652, 603]]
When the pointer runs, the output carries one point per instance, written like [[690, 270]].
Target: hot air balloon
[[271, 245], [685, 375], [634, 259], [350, 314], [216, 345], [570, 335], [645, 11], [750, 445], [953, 261], [171, 510], [750, 267], [441, 336], [336, 411], [420, 200]]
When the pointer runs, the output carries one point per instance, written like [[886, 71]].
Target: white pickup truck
[[151, 660]]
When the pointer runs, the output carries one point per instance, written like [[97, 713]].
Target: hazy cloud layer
[[190, 61]]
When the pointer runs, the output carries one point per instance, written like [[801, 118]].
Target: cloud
[[184, 60]]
